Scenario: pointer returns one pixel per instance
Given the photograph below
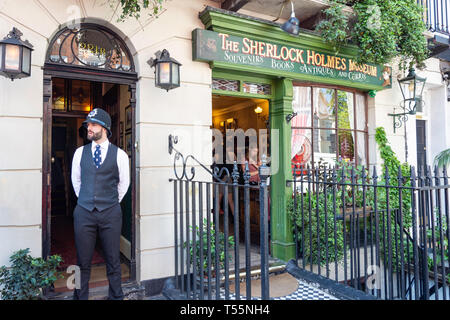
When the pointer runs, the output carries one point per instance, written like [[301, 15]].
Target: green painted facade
[[280, 101]]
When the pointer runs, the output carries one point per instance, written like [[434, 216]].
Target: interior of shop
[[233, 113], [72, 100]]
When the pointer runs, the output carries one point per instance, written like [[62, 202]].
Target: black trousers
[[108, 224]]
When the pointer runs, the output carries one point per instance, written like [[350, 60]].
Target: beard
[[95, 136]]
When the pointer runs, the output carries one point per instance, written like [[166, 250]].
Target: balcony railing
[[436, 14]]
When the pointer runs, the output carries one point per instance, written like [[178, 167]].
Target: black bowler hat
[[101, 117]]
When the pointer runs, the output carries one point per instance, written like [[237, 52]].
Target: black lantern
[[15, 56], [412, 89], [167, 70]]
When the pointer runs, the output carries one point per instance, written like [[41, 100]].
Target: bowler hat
[[101, 117]]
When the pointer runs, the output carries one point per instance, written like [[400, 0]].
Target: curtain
[[361, 125], [301, 103]]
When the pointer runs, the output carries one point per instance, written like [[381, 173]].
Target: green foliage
[[442, 159], [204, 238], [317, 232], [383, 29], [133, 8], [27, 276], [392, 165]]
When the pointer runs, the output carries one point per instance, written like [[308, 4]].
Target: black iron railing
[[436, 15], [208, 255], [387, 235]]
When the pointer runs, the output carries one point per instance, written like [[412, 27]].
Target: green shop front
[[313, 102]]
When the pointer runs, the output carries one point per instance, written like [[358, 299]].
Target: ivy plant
[[381, 29], [133, 8]]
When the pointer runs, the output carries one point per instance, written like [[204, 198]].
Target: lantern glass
[[175, 74], [164, 72], [1, 56], [26, 63], [12, 57]]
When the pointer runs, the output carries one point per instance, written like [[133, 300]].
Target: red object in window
[[297, 164]]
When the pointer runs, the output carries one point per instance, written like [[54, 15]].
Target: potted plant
[[202, 237], [28, 277]]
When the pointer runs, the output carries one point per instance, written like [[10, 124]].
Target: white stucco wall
[[436, 115], [185, 111]]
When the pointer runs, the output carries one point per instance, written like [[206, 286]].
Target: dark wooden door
[[421, 144]]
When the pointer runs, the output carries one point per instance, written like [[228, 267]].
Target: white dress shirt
[[122, 164]]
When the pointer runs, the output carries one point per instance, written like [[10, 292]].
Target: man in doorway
[[100, 178]]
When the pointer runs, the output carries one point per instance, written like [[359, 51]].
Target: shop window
[[330, 126]]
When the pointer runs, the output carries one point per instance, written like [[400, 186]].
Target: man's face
[[94, 131]]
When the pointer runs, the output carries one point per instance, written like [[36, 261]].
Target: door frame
[[425, 151], [56, 70]]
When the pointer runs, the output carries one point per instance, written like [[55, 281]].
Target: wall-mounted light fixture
[[412, 89], [290, 116], [15, 56], [292, 25], [167, 70]]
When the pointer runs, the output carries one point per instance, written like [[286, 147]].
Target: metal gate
[[387, 235], [209, 257]]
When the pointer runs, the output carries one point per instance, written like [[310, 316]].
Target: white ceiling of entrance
[[304, 9]]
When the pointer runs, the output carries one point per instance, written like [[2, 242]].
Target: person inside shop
[[225, 177], [100, 178], [251, 156]]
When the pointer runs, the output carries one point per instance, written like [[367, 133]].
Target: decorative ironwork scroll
[[90, 46]]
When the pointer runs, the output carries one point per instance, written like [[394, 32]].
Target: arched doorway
[[85, 67]]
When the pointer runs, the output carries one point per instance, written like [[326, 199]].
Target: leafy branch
[[383, 30], [133, 8]]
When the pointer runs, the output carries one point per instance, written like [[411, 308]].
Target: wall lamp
[[15, 56], [167, 70], [292, 25]]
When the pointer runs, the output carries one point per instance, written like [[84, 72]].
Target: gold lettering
[[344, 64], [310, 58], [290, 54], [224, 37], [300, 56], [261, 49]]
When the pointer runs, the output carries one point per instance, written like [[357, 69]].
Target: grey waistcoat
[[99, 186]]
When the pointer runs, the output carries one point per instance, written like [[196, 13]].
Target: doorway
[[71, 101], [251, 115], [421, 144]]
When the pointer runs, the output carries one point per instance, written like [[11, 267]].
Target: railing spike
[[235, 173]]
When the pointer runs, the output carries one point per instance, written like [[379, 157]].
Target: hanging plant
[[133, 8], [382, 30]]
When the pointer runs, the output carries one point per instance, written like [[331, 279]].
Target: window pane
[[346, 118], [1, 55], [301, 103], [361, 146], [324, 108], [346, 145], [360, 112], [58, 98], [301, 148], [81, 95], [12, 57], [324, 146], [26, 60]]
